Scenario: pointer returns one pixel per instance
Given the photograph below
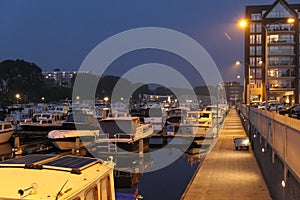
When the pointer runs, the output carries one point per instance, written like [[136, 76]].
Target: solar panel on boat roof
[[30, 159], [71, 162]]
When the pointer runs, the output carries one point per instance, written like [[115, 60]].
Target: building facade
[[234, 92], [61, 78], [272, 52]]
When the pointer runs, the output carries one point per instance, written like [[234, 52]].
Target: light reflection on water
[[169, 182]]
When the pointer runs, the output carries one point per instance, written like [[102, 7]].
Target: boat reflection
[[5, 150], [129, 169]]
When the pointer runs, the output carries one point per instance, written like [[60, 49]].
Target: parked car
[[293, 111], [288, 110], [262, 105], [275, 106]]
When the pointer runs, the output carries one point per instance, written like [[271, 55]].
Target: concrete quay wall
[[275, 142]]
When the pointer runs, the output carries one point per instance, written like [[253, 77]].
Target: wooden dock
[[226, 173]]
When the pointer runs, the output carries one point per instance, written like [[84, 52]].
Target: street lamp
[[246, 80], [17, 96], [106, 100]]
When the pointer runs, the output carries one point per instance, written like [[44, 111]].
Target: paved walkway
[[226, 173]]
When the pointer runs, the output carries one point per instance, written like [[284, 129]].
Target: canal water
[[169, 182]]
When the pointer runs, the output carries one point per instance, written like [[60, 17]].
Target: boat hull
[[5, 136], [67, 144], [33, 127]]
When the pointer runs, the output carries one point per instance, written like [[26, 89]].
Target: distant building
[[272, 52], [234, 92], [61, 78]]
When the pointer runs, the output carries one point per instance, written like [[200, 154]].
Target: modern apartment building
[[234, 92], [61, 78], [272, 52]]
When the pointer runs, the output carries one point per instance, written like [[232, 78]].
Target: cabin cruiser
[[66, 140], [57, 177], [6, 131], [206, 119], [42, 122], [196, 123], [123, 132], [79, 130], [78, 120]]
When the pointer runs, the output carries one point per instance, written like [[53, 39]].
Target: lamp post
[[17, 97], [106, 100], [246, 80], [264, 71]]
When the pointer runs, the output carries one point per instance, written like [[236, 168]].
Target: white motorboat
[[125, 132], [43, 122], [56, 177], [6, 131], [72, 139]]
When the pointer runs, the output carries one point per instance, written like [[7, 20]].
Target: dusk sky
[[60, 34]]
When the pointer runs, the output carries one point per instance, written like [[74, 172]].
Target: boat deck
[[226, 173]]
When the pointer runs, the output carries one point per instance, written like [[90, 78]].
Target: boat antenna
[[56, 198]]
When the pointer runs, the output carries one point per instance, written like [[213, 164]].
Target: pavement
[[227, 173]]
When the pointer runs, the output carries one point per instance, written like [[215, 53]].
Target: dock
[[227, 173]]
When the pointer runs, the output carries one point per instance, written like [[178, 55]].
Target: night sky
[[60, 34]]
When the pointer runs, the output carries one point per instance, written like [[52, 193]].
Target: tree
[[19, 76]]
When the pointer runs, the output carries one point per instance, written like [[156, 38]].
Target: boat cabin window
[[1, 126], [7, 126], [92, 193], [205, 115]]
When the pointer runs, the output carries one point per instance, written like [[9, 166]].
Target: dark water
[[167, 183]]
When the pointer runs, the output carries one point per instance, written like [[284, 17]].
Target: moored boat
[[6, 131], [57, 177], [71, 139], [43, 122], [125, 133]]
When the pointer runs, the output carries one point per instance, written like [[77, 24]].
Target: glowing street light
[[106, 100], [246, 80], [17, 96], [243, 23]]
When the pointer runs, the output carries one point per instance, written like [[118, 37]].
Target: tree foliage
[[19, 77]]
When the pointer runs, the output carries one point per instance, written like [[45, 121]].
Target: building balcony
[[281, 42], [284, 64], [283, 30], [282, 53], [281, 89]]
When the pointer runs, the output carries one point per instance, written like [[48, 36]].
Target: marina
[[132, 146], [132, 100]]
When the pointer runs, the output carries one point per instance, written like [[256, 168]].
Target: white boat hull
[[5, 136], [64, 145]]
